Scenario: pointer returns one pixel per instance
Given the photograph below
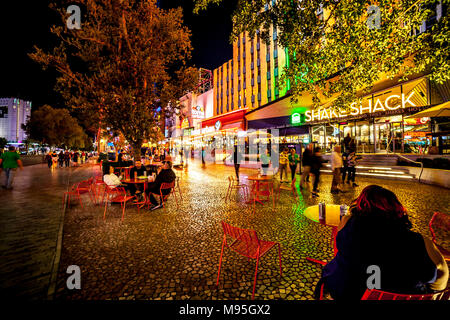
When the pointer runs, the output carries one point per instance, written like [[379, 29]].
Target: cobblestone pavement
[[174, 254], [30, 217]]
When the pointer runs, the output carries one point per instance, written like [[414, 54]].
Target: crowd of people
[[343, 165], [66, 158]]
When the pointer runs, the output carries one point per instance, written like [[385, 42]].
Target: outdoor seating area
[[256, 196]]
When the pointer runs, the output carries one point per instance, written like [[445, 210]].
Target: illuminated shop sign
[[393, 102], [296, 118], [198, 112]]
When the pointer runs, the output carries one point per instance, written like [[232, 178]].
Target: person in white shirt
[[111, 179], [336, 165]]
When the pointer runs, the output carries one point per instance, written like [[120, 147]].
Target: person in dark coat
[[376, 235], [165, 175], [316, 164]]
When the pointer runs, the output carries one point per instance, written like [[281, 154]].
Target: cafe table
[[137, 182], [257, 179], [332, 219]]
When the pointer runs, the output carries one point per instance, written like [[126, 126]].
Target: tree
[[56, 127], [352, 45], [3, 142], [124, 66]]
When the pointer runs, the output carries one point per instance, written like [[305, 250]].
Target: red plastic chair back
[[167, 185], [373, 294], [246, 239]]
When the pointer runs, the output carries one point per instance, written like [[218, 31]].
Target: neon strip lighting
[[385, 175]]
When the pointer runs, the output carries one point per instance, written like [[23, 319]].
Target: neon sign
[[400, 101]]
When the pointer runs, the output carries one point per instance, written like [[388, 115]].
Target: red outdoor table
[[257, 178], [332, 219], [138, 181]]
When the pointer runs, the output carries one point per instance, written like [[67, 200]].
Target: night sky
[[27, 23]]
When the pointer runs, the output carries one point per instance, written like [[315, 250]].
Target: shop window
[[268, 57], [268, 75]]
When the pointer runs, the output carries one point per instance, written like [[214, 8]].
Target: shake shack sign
[[393, 104]]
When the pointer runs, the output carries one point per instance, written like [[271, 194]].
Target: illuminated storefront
[[376, 122]]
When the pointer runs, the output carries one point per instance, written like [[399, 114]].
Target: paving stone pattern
[[30, 217], [174, 253]]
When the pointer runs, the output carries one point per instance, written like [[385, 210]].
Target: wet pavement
[[174, 253], [30, 219]]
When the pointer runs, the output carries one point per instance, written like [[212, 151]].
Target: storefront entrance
[[388, 137]]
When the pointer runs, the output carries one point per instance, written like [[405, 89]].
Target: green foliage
[[126, 61], [3, 142], [337, 55], [56, 127]]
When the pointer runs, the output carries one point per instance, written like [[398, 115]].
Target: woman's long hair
[[378, 202]]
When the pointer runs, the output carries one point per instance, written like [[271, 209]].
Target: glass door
[[382, 136]]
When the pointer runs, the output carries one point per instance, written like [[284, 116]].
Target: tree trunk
[[137, 150]]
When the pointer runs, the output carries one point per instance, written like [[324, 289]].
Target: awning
[[441, 110]]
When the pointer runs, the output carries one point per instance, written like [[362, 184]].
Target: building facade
[[13, 113], [252, 77]]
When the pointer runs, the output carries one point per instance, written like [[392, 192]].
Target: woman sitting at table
[[165, 175], [377, 232], [112, 180]]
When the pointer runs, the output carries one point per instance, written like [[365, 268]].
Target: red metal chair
[[233, 184], [440, 221], [166, 186], [72, 192], [291, 188], [117, 195], [374, 294], [264, 189], [85, 186], [246, 243]]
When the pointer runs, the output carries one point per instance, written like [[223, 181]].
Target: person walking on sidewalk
[[49, 159], [284, 160], [336, 165], [237, 157], [306, 163], [10, 160], [294, 159], [316, 164], [351, 167], [67, 158]]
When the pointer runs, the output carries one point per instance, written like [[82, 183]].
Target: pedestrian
[[284, 160], [316, 164], [306, 163], [48, 158], [61, 159], [294, 159], [347, 141], [9, 161], [265, 162], [345, 166], [237, 156], [336, 165], [75, 158], [67, 158], [352, 160], [83, 157], [55, 160], [203, 156]]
